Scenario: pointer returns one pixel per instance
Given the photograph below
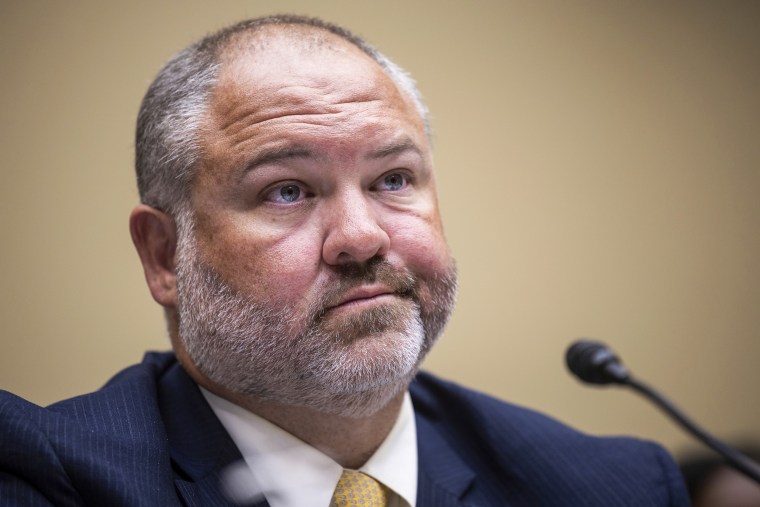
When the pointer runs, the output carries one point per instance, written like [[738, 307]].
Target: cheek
[[420, 243], [268, 267]]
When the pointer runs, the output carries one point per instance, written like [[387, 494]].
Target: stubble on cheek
[[253, 264]]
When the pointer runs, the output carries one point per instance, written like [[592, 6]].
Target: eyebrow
[[302, 152], [280, 154], [394, 148]]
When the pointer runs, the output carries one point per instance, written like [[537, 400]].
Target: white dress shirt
[[288, 472]]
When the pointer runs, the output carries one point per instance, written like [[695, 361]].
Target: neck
[[350, 441]]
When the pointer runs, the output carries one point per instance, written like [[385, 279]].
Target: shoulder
[[453, 407], [543, 457], [83, 439], [131, 395]]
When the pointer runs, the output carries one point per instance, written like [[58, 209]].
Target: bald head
[[168, 146]]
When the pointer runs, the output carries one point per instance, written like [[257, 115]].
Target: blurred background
[[599, 175]]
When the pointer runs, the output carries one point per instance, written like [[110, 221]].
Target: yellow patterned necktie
[[356, 489]]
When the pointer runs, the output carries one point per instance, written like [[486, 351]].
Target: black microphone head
[[594, 363]]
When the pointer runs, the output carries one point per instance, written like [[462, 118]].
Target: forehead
[[279, 71], [281, 91]]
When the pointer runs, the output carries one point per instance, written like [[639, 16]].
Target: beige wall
[[599, 172]]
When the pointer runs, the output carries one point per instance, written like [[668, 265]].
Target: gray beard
[[348, 365]]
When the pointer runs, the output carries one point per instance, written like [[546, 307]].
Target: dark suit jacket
[[149, 438]]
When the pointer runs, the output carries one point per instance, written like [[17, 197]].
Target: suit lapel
[[443, 477], [202, 450], [200, 447]]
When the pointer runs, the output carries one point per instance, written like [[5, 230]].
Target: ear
[[154, 234]]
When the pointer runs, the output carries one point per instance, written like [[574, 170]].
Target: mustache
[[349, 276]]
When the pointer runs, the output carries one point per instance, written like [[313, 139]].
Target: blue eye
[[290, 193], [394, 181]]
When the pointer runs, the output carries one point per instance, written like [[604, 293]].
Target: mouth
[[363, 297]]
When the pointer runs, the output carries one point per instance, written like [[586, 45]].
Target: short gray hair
[[168, 124]]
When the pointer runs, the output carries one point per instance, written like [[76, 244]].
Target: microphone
[[593, 362]]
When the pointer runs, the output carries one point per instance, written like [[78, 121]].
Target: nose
[[354, 233]]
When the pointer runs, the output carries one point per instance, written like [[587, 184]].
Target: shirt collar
[[290, 473]]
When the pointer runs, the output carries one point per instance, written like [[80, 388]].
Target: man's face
[[316, 272]]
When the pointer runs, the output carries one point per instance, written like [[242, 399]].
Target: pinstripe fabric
[[516, 457], [124, 445], [148, 438]]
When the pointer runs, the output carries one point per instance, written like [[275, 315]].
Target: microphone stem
[[736, 459]]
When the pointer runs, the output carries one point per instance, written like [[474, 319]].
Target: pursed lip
[[360, 294]]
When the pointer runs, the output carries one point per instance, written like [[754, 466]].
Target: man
[[289, 226]]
